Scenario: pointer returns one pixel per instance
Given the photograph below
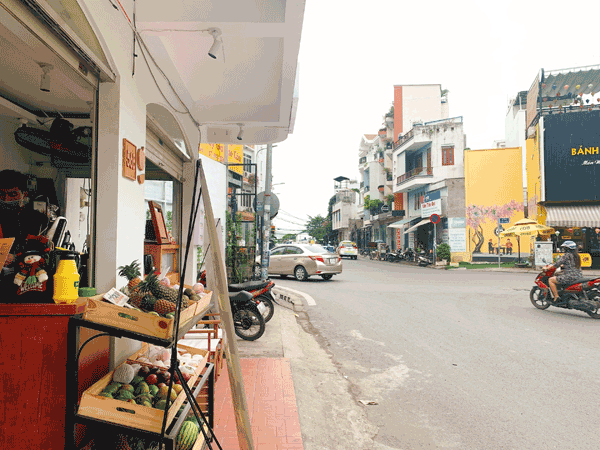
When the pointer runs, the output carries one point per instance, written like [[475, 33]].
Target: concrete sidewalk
[[328, 415]]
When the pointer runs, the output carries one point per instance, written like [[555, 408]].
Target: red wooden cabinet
[[33, 373]]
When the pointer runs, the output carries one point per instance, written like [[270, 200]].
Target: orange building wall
[[397, 112]]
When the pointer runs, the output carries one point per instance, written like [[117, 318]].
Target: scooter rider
[[571, 267]]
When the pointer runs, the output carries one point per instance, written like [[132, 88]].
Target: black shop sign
[[572, 156]]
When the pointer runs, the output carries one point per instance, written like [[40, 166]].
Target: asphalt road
[[458, 359]]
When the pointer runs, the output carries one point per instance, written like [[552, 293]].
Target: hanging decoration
[[578, 86], [553, 86], [566, 86]]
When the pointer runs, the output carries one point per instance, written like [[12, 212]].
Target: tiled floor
[[271, 402]]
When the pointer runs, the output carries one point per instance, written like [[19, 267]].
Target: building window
[[248, 164], [448, 155]]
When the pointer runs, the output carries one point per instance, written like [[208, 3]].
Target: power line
[[285, 212], [289, 221]]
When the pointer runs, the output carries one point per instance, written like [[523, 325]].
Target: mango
[[142, 389], [153, 390], [137, 380]]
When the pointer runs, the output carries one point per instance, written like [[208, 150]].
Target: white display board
[[543, 253]]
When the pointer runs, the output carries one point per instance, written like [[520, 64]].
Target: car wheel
[[327, 276], [300, 273], [257, 270], [354, 257]]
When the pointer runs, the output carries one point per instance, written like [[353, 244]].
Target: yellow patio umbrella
[[531, 228], [526, 227]]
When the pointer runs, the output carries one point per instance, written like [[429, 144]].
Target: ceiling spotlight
[[240, 135], [45, 82], [215, 33]]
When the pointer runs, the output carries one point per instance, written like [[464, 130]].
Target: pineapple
[[132, 273], [147, 303], [164, 307], [152, 285]]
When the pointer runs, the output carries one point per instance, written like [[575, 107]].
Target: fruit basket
[[99, 311], [133, 415]]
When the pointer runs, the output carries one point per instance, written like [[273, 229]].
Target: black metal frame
[[250, 249], [71, 416]]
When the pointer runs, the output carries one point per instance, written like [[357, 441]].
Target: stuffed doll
[[32, 275]]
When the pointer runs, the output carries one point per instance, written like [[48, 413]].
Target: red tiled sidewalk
[[271, 403]]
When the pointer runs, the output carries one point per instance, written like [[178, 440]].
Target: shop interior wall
[[493, 189]]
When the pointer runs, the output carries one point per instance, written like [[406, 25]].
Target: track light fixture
[[240, 135], [45, 82], [216, 34]]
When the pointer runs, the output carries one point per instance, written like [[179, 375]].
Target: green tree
[[318, 227], [288, 237]]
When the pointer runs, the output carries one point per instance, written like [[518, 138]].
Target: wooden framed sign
[[129, 160], [158, 220]]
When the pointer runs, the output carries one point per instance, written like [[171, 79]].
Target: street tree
[[318, 227]]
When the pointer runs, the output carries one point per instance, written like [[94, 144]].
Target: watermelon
[[188, 433]]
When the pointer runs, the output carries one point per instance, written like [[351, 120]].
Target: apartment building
[[344, 211], [428, 172]]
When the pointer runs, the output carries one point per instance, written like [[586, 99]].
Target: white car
[[347, 248]]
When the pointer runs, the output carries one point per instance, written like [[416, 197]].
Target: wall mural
[[477, 215]]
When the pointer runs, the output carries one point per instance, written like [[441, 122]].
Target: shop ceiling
[[251, 82], [251, 85], [24, 55]]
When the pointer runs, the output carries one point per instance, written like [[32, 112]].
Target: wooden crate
[[99, 311], [129, 414]]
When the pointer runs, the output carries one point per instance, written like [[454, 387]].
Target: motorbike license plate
[[262, 308]]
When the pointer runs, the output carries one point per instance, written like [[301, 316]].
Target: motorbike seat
[[240, 297], [249, 285], [583, 280]]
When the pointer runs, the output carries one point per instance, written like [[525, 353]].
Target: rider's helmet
[[569, 244]]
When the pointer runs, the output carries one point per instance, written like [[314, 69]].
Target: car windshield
[[315, 248]]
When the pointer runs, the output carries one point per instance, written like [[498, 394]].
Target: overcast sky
[[352, 53]]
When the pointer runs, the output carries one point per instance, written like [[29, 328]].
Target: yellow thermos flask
[[66, 279]]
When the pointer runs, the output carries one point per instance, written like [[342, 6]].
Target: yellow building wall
[[493, 189], [534, 178]]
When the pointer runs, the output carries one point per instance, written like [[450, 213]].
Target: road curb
[[290, 298]]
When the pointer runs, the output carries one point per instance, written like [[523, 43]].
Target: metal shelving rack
[[168, 432]]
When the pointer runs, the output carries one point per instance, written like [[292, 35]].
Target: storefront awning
[[573, 216], [414, 227], [399, 224]]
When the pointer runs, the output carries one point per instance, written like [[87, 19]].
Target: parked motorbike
[[393, 256], [261, 293], [424, 260], [260, 290], [248, 322], [583, 295], [407, 254]]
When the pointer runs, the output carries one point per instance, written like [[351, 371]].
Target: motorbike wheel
[[539, 298], [270, 307], [596, 313], [249, 325]]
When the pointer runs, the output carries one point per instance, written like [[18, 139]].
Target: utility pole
[[266, 222]]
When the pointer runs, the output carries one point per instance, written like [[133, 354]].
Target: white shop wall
[[122, 114]]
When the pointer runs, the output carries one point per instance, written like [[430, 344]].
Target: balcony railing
[[419, 171], [405, 138], [362, 160]]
